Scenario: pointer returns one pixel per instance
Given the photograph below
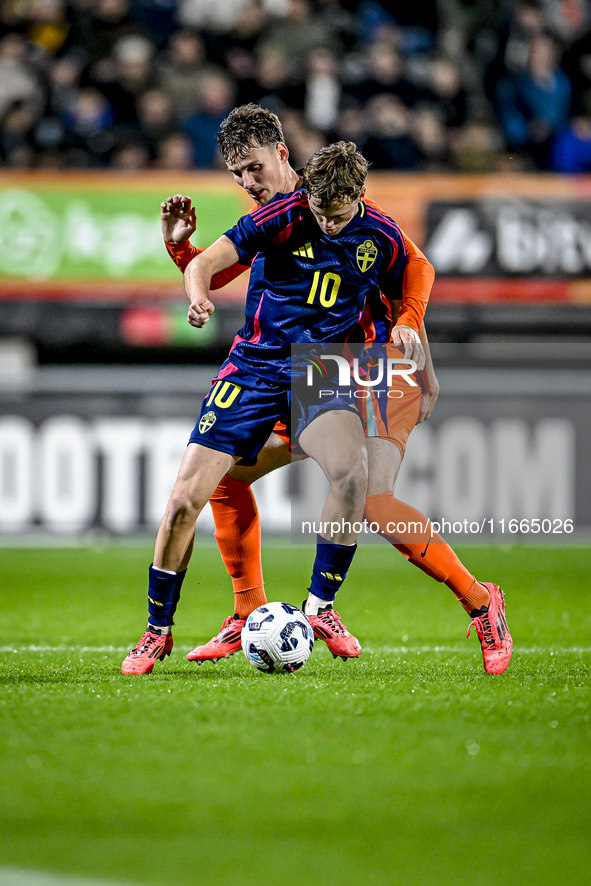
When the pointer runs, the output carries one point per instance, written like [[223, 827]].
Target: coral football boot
[[493, 632], [223, 645], [327, 626], [150, 649]]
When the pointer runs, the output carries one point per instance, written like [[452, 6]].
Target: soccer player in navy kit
[[288, 302], [252, 144]]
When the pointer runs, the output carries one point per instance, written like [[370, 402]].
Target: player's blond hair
[[246, 127], [336, 174]]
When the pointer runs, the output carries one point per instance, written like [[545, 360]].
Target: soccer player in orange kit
[[251, 142]]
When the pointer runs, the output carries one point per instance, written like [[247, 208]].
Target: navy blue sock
[[330, 568], [164, 592]]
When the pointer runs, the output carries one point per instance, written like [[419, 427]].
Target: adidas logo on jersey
[[304, 251]]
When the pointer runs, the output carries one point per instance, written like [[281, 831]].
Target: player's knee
[[349, 482], [182, 508]]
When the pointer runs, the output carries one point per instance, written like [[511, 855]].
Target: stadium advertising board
[[97, 235], [503, 458], [498, 238], [93, 235]]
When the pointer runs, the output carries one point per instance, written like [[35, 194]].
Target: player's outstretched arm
[[417, 282], [220, 255]]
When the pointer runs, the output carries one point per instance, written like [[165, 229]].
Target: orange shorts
[[390, 414]]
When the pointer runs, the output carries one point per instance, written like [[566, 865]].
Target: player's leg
[[409, 531], [247, 411], [236, 419], [238, 527], [199, 474], [238, 534], [336, 441]]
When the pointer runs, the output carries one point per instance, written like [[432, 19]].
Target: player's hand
[[178, 219], [430, 394], [408, 340], [199, 311]]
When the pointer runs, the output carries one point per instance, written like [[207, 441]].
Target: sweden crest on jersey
[[207, 421], [366, 255]]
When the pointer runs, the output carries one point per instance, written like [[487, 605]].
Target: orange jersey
[[184, 253]]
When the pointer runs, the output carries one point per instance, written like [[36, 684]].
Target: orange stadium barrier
[[95, 236]]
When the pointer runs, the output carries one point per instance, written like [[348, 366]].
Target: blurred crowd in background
[[427, 85]]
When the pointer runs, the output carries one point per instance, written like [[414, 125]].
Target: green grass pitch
[[409, 767]]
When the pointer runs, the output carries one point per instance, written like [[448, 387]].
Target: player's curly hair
[[248, 126], [336, 174]]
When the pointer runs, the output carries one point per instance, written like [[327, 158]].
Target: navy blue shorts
[[239, 413], [308, 402]]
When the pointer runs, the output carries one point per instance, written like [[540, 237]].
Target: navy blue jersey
[[306, 286]]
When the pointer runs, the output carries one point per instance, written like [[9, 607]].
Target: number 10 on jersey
[[329, 289]]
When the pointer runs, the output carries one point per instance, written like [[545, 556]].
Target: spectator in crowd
[[49, 26], [534, 104], [323, 90], [447, 91], [476, 147], [436, 84], [217, 100], [108, 22], [385, 76], [130, 72], [390, 144], [571, 151], [88, 120], [298, 32], [351, 125], [277, 82], [156, 119], [431, 138], [249, 29], [181, 71], [303, 141], [18, 80], [568, 19], [16, 136], [174, 151], [131, 157]]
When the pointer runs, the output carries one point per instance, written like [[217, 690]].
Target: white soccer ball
[[277, 637]]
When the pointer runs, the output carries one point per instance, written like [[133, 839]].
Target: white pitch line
[[17, 877], [380, 650]]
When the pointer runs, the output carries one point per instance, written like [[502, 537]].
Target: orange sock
[[429, 552], [238, 534]]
